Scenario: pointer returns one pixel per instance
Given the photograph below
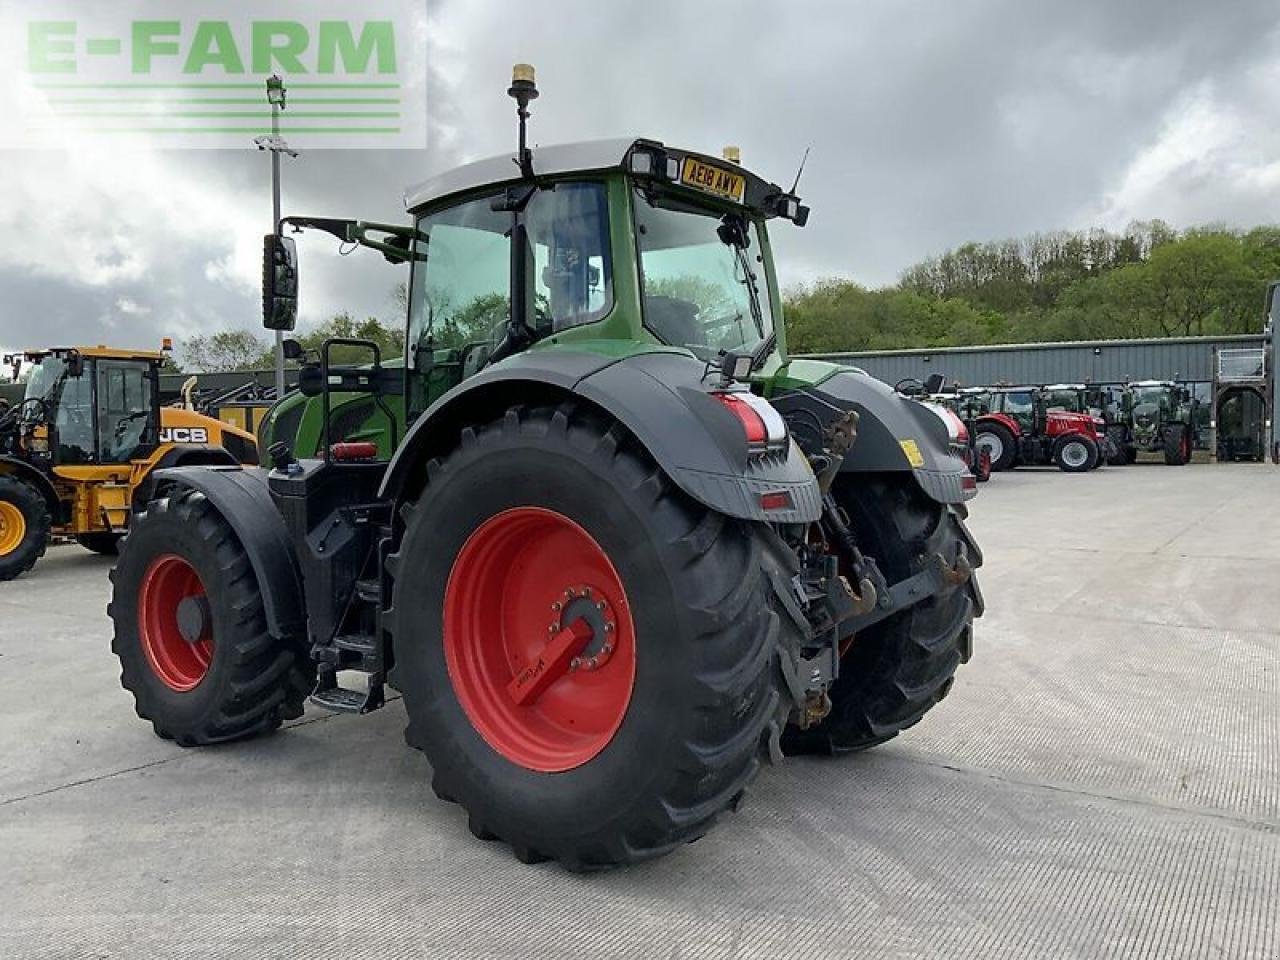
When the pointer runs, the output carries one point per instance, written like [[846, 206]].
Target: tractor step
[[329, 695], [370, 591], [360, 643]]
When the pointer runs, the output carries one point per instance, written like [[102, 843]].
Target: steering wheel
[[14, 413], [908, 386]]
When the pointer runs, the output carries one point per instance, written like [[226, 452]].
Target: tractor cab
[[88, 406]]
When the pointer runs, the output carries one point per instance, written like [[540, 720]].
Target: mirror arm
[[357, 231]]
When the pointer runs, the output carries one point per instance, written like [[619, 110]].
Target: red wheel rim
[[532, 595], [179, 663]]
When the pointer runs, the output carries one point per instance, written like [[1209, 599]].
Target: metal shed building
[[1098, 361]]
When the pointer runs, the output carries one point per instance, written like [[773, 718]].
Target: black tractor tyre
[[897, 670], [252, 682], [1008, 446], [705, 707], [24, 527], [1176, 445], [103, 543], [1075, 453]]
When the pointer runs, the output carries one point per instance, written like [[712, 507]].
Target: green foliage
[[224, 351], [390, 340], [241, 350], [1149, 281]]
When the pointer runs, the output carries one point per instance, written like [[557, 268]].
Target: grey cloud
[[931, 123]]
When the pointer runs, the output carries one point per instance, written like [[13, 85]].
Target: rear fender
[[244, 500], [24, 471], [186, 455], [895, 434], [660, 396]]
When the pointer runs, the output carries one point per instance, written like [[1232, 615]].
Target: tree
[[223, 351]]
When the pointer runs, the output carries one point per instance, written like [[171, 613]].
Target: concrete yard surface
[[1103, 781]]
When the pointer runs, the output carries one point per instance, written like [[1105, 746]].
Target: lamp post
[[276, 145]]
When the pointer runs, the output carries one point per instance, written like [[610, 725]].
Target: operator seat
[[674, 320]]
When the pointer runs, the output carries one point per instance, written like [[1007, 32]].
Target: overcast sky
[[931, 123]]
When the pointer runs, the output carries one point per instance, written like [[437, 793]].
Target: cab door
[[127, 406]]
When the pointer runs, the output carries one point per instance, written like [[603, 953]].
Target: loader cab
[[90, 407]]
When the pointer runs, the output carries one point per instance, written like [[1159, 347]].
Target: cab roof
[[98, 351], [588, 156]]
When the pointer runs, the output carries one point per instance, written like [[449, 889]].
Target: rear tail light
[[764, 427], [959, 431]]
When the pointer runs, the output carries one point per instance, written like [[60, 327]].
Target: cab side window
[[124, 410], [572, 283], [1020, 405]]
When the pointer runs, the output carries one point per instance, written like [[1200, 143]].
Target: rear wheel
[[999, 443], [24, 527], [895, 671], [1177, 445], [106, 544], [190, 631], [588, 658], [1075, 454]]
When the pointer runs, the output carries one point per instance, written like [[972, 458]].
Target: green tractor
[[611, 545], [1156, 416]]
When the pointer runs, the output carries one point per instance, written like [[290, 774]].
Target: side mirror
[[279, 282]]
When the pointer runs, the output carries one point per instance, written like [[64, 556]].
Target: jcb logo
[[184, 435]]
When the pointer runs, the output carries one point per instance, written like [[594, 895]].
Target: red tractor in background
[[1016, 427]]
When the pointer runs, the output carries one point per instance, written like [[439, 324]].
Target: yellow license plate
[[715, 180]]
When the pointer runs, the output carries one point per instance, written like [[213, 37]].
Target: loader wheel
[[104, 544], [588, 657], [1075, 454], [1177, 445], [895, 671], [190, 632], [24, 527], [1000, 445]]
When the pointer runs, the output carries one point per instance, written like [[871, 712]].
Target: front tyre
[[190, 631], [894, 672], [1177, 445], [24, 527], [587, 657], [999, 443], [1075, 454]]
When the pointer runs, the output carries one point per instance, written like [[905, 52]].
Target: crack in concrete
[[1252, 823], [125, 771]]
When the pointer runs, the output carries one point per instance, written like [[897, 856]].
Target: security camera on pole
[[276, 144]]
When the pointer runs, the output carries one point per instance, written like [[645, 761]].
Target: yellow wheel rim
[[13, 528]]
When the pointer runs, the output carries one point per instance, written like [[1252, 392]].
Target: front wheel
[[24, 527], [999, 443], [588, 658], [1177, 445], [190, 631], [894, 672], [1075, 454]]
